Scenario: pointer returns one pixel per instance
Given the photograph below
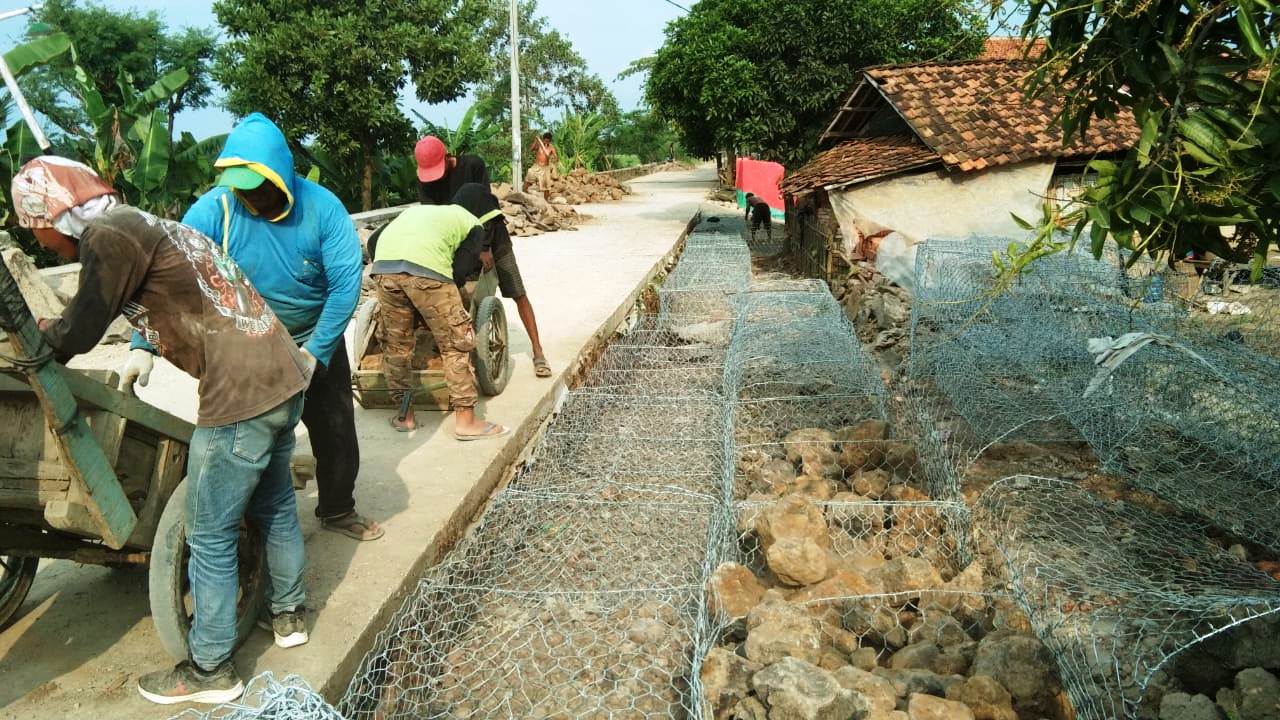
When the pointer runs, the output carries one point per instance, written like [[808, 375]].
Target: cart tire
[[168, 586], [490, 358], [16, 576]]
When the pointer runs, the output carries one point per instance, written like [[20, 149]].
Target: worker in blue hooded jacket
[[297, 245]]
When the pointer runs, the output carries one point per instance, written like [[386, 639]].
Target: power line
[[675, 4]]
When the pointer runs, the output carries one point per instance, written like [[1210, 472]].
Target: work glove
[[136, 369], [309, 370]]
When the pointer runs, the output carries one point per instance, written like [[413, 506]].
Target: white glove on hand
[[136, 369], [310, 360]]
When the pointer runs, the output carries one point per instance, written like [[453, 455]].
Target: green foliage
[[1200, 77], [123, 53], [334, 71], [553, 76], [579, 138], [645, 134], [621, 162], [765, 76], [471, 135]]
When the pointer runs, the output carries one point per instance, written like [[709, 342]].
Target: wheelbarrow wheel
[[170, 590], [16, 576], [490, 358]]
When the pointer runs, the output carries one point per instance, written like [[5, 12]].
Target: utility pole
[[16, 93], [517, 168]]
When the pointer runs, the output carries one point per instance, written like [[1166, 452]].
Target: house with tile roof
[[942, 149]]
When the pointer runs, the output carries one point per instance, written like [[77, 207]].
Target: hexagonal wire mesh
[[656, 361], [266, 698], [903, 571], [1115, 588], [1191, 418]]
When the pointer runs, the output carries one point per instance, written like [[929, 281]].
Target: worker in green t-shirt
[[414, 265]]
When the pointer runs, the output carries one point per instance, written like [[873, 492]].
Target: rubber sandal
[[488, 433], [346, 525], [400, 428], [541, 368]]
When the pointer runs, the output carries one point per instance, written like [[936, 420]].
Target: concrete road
[[84, 635]]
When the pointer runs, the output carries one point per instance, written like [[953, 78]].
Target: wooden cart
[[490, 358], [94, 475]]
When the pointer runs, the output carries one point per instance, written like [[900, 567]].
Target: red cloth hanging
[[761, 179]]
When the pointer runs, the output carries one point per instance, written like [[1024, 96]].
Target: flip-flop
[[488, 433], [541, 368], [346, 525], [400, 428]]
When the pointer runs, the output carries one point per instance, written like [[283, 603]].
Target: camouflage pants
[[400, 297]]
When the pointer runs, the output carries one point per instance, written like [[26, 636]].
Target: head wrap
[[59, 193], [479, 201]]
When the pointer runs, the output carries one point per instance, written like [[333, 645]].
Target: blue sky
[[608, 34]]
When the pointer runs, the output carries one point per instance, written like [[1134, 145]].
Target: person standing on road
[[434, 166], [198, 310], [440, 173], [299, 248], [545, 159], [759, 213], [416, 259]]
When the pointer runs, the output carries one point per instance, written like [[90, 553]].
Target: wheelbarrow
[[95, 475], [490, 358]]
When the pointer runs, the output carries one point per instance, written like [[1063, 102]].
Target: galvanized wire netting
[[266, 698], [1116, 587], [1186, 418]]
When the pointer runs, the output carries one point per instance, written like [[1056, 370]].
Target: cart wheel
[[493, 367], [16, 575], [170, 591]]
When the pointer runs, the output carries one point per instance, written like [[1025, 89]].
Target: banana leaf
[[37, 52], [150, 134]]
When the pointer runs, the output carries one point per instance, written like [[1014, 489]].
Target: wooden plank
[[429, 393], [33, 469], [32, 494], [108, 510], [93, 393]]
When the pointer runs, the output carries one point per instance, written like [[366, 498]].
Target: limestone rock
[[870, 483], [985, 697], [796, 690], [812, 449], [794, 536], [1257, 695], [792, 517], [861, 445], [878, 691], [1181, 706], [1022, 665], [842, 584], [927, 707], [726, 679], [910, 574], [773, 476], [908, 682], [734, 591], [920, 656], [864, 658], [938, 628], [749, 709], [777, 630]]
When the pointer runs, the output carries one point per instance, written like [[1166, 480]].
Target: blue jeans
[[233, 471]]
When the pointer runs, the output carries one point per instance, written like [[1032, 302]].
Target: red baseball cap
[[430, 154]]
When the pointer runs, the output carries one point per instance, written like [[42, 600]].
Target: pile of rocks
[[579, 187], [530, 214], [1254, 695], [835, 620], [879, 310]]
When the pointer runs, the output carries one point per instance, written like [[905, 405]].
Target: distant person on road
[[440, 173], [195, 307], [545, 159], [298, 246], [416, 259], [497, 251], [759, 213]]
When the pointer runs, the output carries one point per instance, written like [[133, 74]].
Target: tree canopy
[[335, 71], [766, 76], [123, 53], [554, 78], [1200, 77]]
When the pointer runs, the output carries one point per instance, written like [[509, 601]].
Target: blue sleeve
[[343, 267], [206, 215], [137, 342]]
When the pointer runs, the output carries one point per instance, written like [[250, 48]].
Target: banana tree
[[470, 135]]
